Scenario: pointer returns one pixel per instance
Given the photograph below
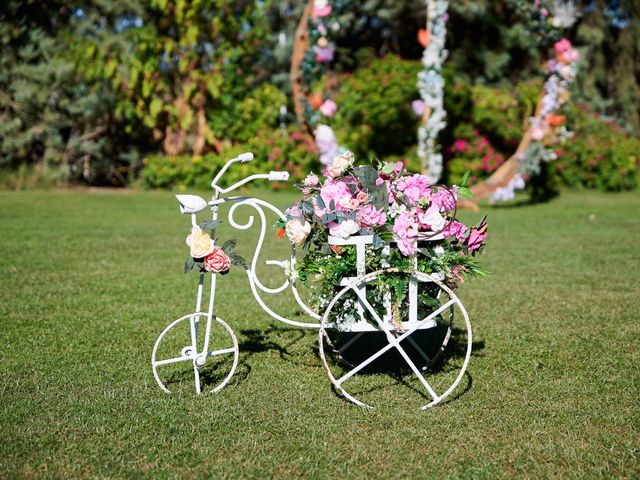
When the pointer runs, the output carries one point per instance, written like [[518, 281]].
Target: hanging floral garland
[[316, 108], [431, 86]]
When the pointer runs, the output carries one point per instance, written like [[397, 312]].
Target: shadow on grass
[[289, 342]]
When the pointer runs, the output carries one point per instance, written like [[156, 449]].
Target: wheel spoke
[[171, 360], [351, 373], [419, 350], [221, 352], [196, 374], [350, 342], [438, 311], [415, 370]]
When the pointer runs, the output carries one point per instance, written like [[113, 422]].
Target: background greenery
[[88, 281], [113, 93]]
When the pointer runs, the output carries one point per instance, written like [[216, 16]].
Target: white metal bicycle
[[212, 358]]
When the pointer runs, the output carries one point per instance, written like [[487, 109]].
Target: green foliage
[[258, 111], [374, 108], [273, 149], [600, 155]]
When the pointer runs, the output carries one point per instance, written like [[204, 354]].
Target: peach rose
[[200, 243], [340, 164], [298, 230]]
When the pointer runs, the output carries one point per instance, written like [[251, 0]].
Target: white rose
[[200, 244], [435, 220], [340, 164], [297, 230], [348, 228]]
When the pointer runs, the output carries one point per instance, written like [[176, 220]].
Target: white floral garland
[[431, 86]]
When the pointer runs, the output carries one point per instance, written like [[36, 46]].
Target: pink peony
[[334, 191], [369, 216], [455, 229], [328, 108], [217, 261]]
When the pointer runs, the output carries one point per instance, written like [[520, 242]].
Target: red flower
[[217, 261]]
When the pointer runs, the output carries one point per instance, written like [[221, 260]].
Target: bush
[[600, 155], [286, 150], [374, 114], [258, 111], [471, 152]]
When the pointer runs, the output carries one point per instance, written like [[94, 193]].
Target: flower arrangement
[[204, 253], [410, 220]]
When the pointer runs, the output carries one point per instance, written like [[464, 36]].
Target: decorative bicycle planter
[[361, 303]]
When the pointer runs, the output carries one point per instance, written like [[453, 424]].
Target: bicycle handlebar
[[273, 176]]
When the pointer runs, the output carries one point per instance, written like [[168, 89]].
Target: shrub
[[287, 150], [600, 155], [472, 152], [374, 114]]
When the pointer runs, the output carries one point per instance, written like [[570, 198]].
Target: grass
[[88, 280]]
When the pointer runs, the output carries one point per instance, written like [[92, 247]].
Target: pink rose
[[217, 261]]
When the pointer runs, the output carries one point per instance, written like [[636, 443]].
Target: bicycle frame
[[257, 287]]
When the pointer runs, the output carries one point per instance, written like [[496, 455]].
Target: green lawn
[[88, 280]]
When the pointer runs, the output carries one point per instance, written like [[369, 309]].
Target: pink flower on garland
[[321, 8], [328, 108], [324, 54], [562, 46]]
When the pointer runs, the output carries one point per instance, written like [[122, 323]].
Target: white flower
[[348, 228], [435, 220], [311, 180], [297, 230], [340, 164], [290, 269], [439, 250]]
